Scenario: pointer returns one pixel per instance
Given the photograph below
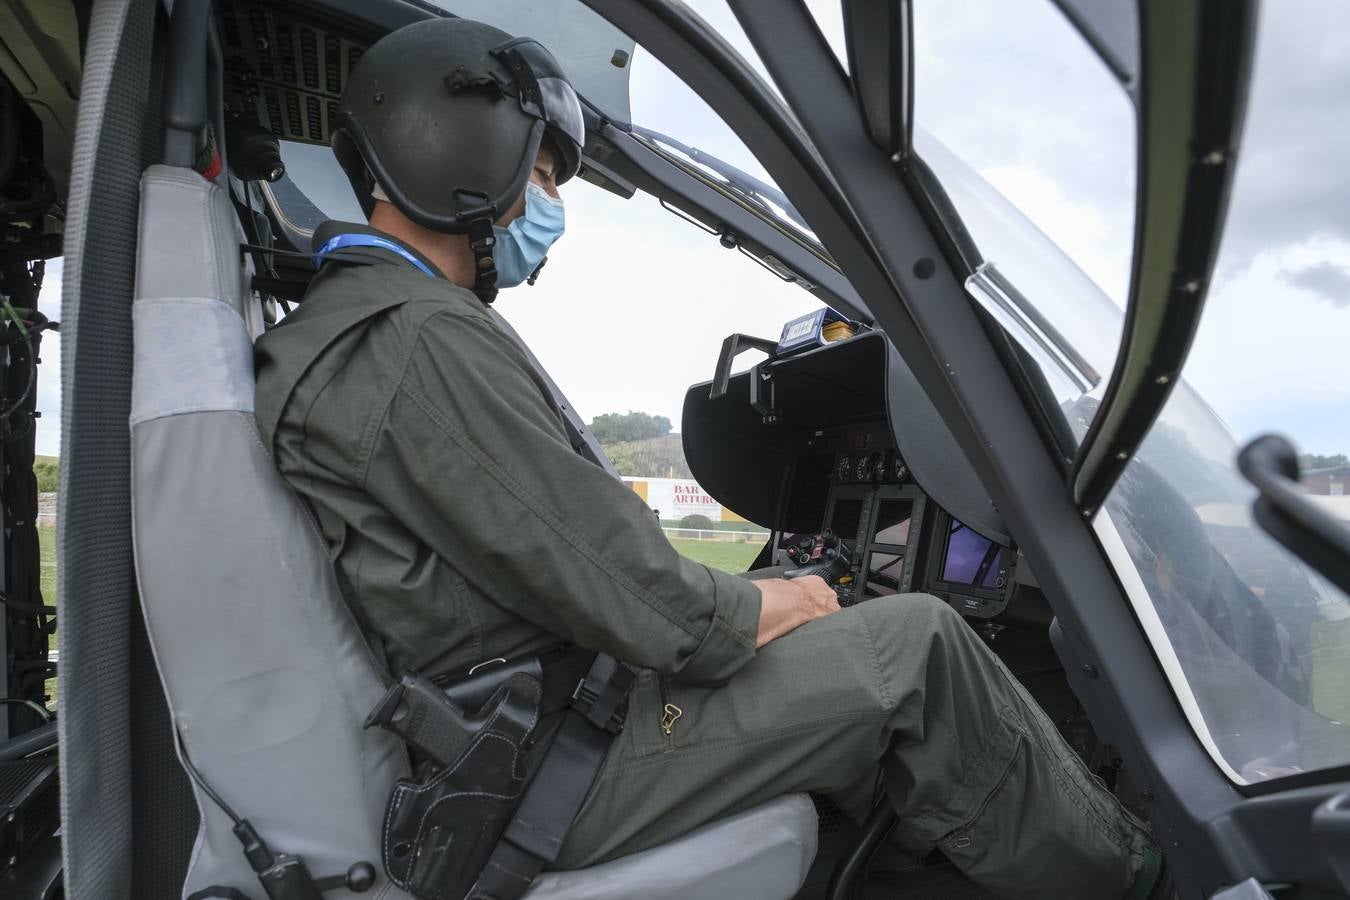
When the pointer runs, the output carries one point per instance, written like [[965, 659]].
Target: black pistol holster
[[466, 824], [441, 825]]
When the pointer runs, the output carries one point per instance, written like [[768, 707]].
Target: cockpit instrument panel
[[810, 445]]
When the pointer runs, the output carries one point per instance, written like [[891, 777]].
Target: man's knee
[[910, 616], [908, 630]]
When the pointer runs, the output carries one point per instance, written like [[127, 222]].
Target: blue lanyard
[[342, 241]]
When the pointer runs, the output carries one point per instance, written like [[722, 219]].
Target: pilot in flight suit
[[464, 527]]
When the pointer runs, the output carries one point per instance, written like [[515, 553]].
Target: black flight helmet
[[447, 115]]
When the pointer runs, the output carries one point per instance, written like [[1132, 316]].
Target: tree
[[47, 470], [1314, 461], [611, 428]]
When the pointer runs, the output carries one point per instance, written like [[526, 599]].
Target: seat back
[[267, 677]]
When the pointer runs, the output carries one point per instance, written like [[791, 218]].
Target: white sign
[[676, 498]]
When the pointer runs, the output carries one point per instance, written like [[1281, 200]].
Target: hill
[[658, 457]]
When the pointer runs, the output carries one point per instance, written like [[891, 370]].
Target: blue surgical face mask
[[522, 245]]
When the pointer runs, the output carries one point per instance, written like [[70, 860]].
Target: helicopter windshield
[[619, 79], [1253, 641]]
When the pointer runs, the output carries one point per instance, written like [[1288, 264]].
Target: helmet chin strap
[[479, 216], [481, 242]]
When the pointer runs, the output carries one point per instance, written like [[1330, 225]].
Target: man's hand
[[784, 605]]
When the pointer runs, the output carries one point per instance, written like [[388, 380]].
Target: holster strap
[[535, 835]]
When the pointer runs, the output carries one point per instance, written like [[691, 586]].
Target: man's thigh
[[809, 713]]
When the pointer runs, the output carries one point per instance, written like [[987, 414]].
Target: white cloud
[[1012, 90], [1079, 229], [1328, 280], [1271, 357]]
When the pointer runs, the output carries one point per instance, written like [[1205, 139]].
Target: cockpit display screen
[[846, 517], [893, 518], [971, 559], [884, 571]]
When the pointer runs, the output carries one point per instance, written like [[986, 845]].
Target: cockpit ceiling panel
[[284, 71]]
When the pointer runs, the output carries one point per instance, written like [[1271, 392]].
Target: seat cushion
[[761, 854]]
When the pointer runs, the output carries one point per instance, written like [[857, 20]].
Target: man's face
[[544, 174]]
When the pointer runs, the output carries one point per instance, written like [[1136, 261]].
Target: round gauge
[[899, 471], [843, 469], [868, 466]]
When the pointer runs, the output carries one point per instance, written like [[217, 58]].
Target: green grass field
[[718, 526], [1329, 662], [724, 555], [47, 543]]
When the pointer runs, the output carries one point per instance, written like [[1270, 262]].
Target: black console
[[814, 447], [871, 507]]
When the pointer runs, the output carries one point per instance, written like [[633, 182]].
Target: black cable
[[24, 430], [25, 336], [28, 385], [31, 704], [201, 782]]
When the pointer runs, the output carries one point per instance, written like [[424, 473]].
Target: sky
[[634, 303]]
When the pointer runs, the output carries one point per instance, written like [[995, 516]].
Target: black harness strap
[[535, 835]]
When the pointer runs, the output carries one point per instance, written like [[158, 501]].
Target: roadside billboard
[[675, 498]]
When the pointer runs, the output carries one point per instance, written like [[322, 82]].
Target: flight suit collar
[[339, 298]]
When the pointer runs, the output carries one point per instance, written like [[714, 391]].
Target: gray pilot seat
[[267, 677]]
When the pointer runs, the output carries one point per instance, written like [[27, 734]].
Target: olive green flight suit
[[464, 527]]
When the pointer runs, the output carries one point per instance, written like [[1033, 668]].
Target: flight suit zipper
[[669, 711]]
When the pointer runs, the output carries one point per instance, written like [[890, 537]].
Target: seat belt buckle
[[604, 706]]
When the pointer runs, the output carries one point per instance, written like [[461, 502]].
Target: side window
[[1033, 140], [47, 447], [1260, 642], [1255, 644], [323, 189]]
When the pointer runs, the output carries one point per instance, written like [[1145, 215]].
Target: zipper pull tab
[[672, 712]]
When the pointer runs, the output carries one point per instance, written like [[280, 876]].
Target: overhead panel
[[287, 72]]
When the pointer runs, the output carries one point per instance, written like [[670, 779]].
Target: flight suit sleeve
[[474, 459]]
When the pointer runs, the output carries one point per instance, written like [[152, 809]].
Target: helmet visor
[[562, 114], [546, 94]]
